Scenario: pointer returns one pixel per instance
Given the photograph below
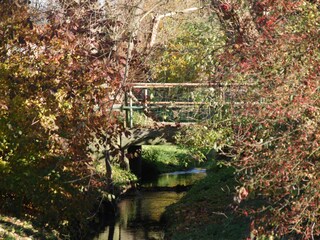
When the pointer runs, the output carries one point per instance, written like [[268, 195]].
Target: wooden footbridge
[[154, 112]]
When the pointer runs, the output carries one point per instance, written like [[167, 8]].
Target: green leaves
[[189, 57], [201, 139]]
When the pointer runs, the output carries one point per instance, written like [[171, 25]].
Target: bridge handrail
[[171, 85], [130, 99]]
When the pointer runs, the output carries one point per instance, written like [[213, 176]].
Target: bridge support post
[[135, 159], [131, 110], [128, 100]]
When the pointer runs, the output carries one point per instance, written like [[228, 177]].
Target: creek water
[[139, 215]]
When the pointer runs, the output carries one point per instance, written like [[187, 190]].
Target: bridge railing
[[179, 102]]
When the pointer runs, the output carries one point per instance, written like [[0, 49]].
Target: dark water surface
[[139, 215]]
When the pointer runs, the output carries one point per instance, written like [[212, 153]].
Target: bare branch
[[158, 18]]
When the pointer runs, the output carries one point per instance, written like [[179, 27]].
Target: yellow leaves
[[308, 21], [46, 119], [63, 104], [3, 105], [65, 169], [48, 122], [4, 167], [65, 223]]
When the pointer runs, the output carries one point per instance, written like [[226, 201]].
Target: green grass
[[121, 177], [205, 212], [14, 228], [167, 158]]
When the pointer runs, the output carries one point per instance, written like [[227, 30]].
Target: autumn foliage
[[62, 70], [277, 129], [58, 80]]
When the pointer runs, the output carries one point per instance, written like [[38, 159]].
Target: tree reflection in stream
[[139, 215]]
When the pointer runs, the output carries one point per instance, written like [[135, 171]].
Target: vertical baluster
[[131, 109]]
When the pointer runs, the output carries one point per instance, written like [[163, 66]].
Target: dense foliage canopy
[[276, 132], [58, 82], [272, 49], [63, 68]]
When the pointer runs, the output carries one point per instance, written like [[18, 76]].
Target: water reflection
[[139, 215], [182, 178]]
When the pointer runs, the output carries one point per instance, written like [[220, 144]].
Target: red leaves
[[226, 7], [270, 23], [244, 65], [278, 139]]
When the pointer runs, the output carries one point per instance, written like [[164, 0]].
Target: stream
[[139, 216]]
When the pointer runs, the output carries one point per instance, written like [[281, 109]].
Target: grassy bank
[[62, 216], [205, 212], [168, 158], [12, 228]]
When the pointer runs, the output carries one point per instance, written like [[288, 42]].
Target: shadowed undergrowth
[[206, 212]]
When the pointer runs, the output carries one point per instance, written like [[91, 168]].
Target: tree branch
[[158, 18]]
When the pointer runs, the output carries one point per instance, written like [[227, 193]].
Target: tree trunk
[[108, 168]]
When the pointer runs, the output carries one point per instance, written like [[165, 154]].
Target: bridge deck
[[175, 102], [162, 134]]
